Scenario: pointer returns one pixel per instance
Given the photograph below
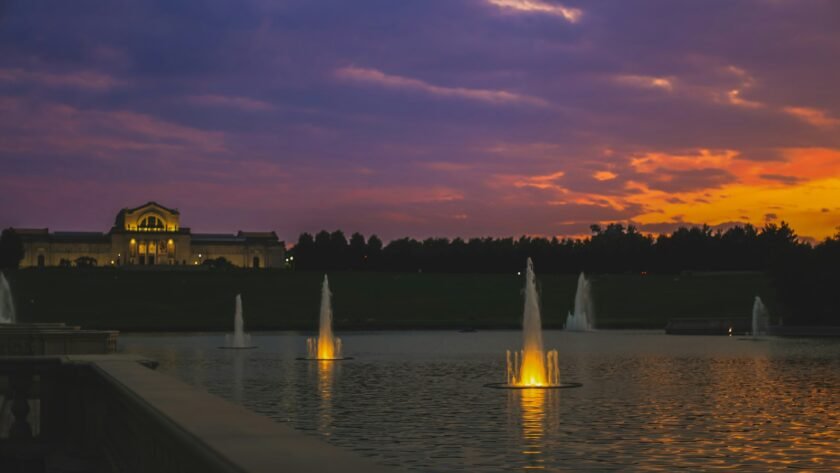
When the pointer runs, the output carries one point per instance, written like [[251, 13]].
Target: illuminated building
[[149, 235]]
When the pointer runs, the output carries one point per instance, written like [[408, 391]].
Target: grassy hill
[[180, 300]]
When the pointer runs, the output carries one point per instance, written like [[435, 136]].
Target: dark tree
[[304, 252], [357, 252], [338, 254], [322, 251], [374, 252], [11, 249], [807, 282]]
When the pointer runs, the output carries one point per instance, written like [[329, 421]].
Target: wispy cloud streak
[[812, 116], [571, 15], [377, 77]]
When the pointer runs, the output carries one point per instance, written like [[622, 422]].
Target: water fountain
[[7, 305], [759, 318], [532, 367], [238, 339], [581, 319], [326, 346]]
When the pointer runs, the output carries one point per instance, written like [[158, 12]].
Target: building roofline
[[151, 202]]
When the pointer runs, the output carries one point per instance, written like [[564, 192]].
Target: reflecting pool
[[648, 402]]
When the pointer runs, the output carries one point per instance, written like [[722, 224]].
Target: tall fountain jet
[[581, 319], [326, 346], [532, 367], [7, 305], [238, 339], [759, 318]]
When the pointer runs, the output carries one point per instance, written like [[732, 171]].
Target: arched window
[[152, 223]]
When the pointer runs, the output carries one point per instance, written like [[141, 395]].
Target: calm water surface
[[648, 402]]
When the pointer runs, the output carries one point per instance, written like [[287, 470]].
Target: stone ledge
[[241, 439]]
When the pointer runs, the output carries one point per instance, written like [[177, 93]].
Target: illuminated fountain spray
[[326, 346], [581, 319], [759, 318], [532, 366], [7, 305], [238, 339]]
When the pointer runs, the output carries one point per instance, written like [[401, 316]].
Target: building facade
[[149, 235]]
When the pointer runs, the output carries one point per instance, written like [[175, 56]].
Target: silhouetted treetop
[[612, 248]]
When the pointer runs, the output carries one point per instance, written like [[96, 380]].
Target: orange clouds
[[796, 188], [604, 175], [706, 186], [817, 118], [646, 82], [548, 181]]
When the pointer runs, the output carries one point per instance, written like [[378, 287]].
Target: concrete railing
[[54, 339], [111, 413]]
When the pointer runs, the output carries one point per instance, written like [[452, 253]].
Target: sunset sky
[[421, 118]]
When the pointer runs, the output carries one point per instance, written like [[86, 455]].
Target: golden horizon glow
[[662, 191], [796, 189]]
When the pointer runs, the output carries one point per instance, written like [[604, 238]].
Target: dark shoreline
[[780, 332]]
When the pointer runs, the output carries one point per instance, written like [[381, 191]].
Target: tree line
[[613, 248], [806, 277]]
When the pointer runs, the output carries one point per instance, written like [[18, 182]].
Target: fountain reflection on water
[[326, 346], [532, 407], [654, 403], [326, 386], [7, 305], [581, 318], [239, 357]]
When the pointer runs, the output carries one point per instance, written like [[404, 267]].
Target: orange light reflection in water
[[326, 379], [533, 409]]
